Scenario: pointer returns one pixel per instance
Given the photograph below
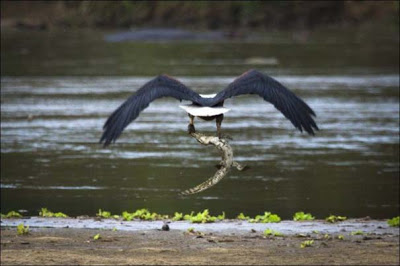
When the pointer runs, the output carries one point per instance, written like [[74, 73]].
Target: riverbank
[[74, 241]]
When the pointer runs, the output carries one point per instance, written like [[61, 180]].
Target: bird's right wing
[[291, 106], [161, 86]]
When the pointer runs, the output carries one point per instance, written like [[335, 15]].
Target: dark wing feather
[[161, 86], [292, 107]]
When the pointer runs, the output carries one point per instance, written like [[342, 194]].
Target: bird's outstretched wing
[[292, 107], [161, 86]]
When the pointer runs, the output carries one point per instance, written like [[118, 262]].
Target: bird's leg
[[218, 120], [191, 128]]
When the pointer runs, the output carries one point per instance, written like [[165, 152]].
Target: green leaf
[[22, 230], [301, 216], [266, 218], [270, 232], [241, 216], [394, 221], [307, 243], [44, 212], [11, 214], [96, 237], [334, 218]]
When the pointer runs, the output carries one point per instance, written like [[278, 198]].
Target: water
[[52, 117]]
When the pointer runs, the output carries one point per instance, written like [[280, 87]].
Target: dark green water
[[71, 82]]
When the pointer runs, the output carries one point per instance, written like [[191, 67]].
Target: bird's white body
[[204, 110]]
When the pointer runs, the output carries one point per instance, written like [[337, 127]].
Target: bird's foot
[[191, 129], [224, 136]]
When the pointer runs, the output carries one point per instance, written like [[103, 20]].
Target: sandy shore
[[203, 246]]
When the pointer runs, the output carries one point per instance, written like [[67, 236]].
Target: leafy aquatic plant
[[266, 218], [358, 232], [334, 218], [97, 237], [178, 216], [44, 212], [241, 216], [394, 221], [270, 232], [301, 216], [307, 243], [203, 217], [106, 214], [340, 237], [142, 214], [11, 214], [22, 230]]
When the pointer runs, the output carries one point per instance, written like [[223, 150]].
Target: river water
[[51, 124]]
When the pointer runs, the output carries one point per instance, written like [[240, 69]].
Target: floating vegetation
[[394, 221], [97, 237], [203, 217], [22, 230], [241, 216], [178, 216], [142, 214], [315, 232], [106, 214], [340, 237], [334, 218], [301, 216], [266, 218], [190, 230], [44, 212], [307, 243], [355, 233], [11, 214], [270, 232]]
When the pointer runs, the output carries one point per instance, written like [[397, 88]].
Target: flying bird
[[209, 107]]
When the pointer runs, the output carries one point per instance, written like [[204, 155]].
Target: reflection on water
[[50, 127]]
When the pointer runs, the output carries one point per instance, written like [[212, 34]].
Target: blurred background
[[66, 65]]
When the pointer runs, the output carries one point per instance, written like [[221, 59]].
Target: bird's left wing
[[161, 86], [292, 107]]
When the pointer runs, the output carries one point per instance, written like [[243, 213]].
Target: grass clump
[[270, 232], [266, 218], [22, 230], [11, 214], [301, 216], [334, 218], [203, 217], [44, 212], [394, 221], [307, 243]]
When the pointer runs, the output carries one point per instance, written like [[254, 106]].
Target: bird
[[210, 107]]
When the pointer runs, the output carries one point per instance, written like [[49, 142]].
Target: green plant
[[11, 214], [307, 243], [301, 216], [266, 218], [44, 212], [22, 230], [340, 237], [203, 217], [103, 214], [241, 216], [190, 230], [354, 233], [142, 214], [394, 221], [334, 218], [177, 216], [96, 237], [270, 232]]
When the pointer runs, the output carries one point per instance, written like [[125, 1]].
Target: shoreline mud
[[73, 241]]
